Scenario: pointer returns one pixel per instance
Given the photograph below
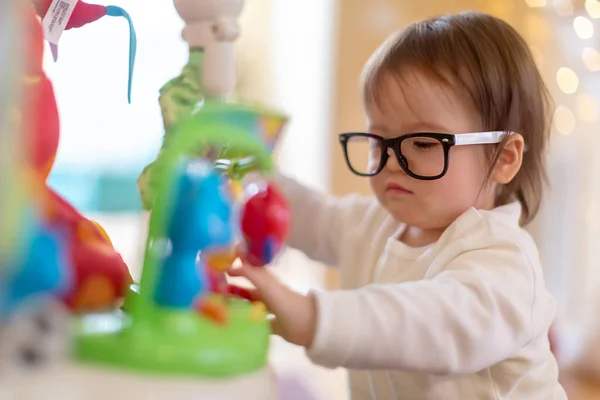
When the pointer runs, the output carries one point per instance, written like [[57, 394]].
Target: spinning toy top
[[59, 15]]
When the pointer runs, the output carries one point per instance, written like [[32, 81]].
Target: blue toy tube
[[115, 11]]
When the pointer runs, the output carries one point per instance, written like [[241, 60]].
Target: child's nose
[[392, 162]]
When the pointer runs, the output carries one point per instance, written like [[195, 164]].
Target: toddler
[[443, 294]]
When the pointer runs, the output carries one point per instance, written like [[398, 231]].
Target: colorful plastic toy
[[182, 320], [81, 15], [210, 31], [34, 268], [205, 345], [191, 321], [99, 273], [37, 269], [265, 225], [200, 219], [34, 262], [101, 276]]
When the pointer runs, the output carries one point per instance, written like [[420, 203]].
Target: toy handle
[[218, 76], [212, 26]]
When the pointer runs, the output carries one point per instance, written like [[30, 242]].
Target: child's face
[[422, 105]]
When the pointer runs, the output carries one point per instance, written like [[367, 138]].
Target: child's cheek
[[376, 185], [441, 191]]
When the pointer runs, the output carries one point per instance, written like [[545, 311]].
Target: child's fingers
[[270, 289], [244, 293], [235, 272]]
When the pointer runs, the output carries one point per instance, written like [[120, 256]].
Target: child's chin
[[411, 216], [407, 215]]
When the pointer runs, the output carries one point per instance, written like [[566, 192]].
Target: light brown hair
[[490, 64]]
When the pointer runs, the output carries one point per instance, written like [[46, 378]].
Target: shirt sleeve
[[320, 222], [476, 313]]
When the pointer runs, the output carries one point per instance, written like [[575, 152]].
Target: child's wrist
[[311, 322]]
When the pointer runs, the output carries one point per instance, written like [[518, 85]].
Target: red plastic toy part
[[44, 130], [38, 111], [101, 276], [265, 225], [83, 13]]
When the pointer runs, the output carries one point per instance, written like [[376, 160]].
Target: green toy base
[[176, 342]]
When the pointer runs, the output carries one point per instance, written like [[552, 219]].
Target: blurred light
[[593, 8], [591, 58], [537, 28], [535, 3], [564, 120], [563, 7], [567, 80], [587, 107], [583, 27]]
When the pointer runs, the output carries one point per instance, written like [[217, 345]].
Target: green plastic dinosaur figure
[[178, 99]]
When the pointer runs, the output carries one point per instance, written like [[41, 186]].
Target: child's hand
[[295, 314]]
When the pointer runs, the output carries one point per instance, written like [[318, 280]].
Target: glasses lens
[[364, 154], [424, 156]]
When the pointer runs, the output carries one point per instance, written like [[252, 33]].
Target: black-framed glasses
[[422, 155]]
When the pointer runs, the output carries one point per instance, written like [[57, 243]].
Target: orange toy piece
[[222, 260], [213, 308], [101, 276]]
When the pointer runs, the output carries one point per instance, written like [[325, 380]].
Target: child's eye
[[425, 144]]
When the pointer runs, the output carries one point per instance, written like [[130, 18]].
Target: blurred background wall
[[306, 57]]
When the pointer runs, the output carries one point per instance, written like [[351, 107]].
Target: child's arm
[[319, 221], [480, 310], [485, 305]]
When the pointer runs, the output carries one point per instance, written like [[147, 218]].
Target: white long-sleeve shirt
[[465, 318]]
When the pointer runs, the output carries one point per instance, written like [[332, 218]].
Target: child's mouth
[[396, 188]]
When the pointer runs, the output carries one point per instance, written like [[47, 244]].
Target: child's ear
[[510, 160]]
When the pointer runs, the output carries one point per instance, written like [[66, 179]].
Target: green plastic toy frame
[[153, 339]]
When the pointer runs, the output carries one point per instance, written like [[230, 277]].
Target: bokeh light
[[583, 27], [591, 58], [593, 8], [567, 80], [564, 120]]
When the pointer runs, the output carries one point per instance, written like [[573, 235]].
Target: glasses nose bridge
[[390, 146], [393, 148], [392, 152], [395, 145]]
